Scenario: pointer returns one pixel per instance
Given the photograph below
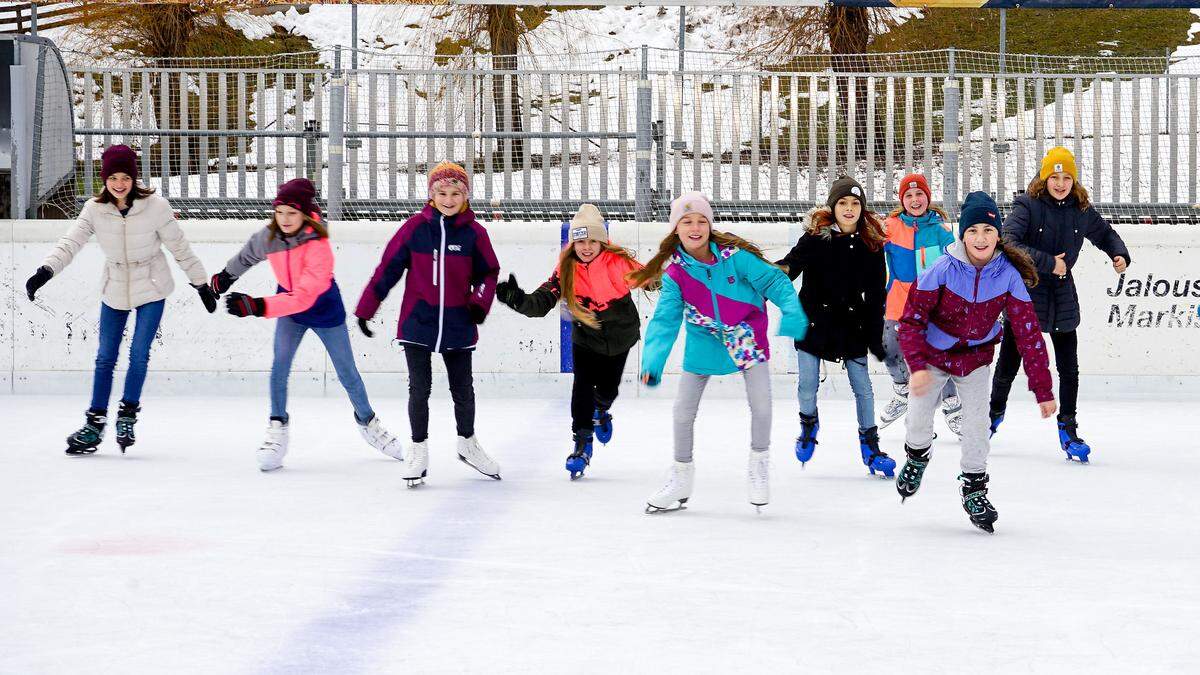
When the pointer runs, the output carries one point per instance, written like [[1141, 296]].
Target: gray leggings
[[687, 403], [974, 391], [894, 358]]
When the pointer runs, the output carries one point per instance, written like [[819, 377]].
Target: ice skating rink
[[182, 557]]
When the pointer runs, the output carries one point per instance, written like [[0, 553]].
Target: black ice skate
[[126, 418], [975, 501], [87, 439]]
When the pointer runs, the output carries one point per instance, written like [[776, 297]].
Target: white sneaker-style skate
[[381, 439], [896, 407], [759, 477], [678, 489], [952, 409], [274, 447], [473, 456], [415, 464]]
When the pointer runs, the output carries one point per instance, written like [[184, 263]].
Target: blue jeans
[[112, 329], [860, 382], [288, 335]]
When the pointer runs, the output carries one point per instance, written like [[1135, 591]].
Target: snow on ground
[[182, 557]]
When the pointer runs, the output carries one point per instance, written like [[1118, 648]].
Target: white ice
[[182, 557]]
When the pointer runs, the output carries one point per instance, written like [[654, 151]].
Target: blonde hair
[[566, 279], [650, 276]]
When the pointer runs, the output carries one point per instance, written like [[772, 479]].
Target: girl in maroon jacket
[[948, 332], [452, 273]]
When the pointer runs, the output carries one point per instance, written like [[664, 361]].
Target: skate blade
[[492, 476], [757, 507], [269, 469], [986, 527], [411, 483], [679, 506], [81, 452], [576, 475]]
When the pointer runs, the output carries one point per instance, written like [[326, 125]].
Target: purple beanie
[[118, 159], [300, 194]]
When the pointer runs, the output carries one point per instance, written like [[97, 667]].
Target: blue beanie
[[978, 208]]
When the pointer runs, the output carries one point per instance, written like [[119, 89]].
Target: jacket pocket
[[160, 275]]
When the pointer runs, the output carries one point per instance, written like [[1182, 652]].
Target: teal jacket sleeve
[[770, 281], [662, 330], [945, 239]]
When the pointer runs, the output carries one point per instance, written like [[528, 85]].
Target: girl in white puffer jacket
[[132, 225]]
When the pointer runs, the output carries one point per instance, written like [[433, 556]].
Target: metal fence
[[630, 130]]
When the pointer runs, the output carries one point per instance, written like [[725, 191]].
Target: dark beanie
[[978, 208], [118, 159], [300, 194], [845, 187]]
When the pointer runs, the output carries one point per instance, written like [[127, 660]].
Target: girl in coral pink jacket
[[296, 244]]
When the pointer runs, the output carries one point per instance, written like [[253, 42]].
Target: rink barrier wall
[[1140, 332]]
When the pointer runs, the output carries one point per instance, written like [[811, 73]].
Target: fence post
[[311, 129], [659, 134], [337, 121], [643, 190], [950, 124]]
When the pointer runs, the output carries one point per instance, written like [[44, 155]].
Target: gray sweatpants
[[974, 391], [687, 403], [894, 358]]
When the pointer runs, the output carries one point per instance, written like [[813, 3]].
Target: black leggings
[[1066, 361], [597, 378], [420, 384]]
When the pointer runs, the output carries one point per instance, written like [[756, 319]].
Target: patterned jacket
[[450, 265], [601, 288], [950, 321], [913, 245], [303, 268], [723, 304]]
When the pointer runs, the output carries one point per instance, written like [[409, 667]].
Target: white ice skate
[[415, 464], [474, 456], [274, 447], [381, 439], [952, 409], [678, 489], [896, 407], [759, 479]]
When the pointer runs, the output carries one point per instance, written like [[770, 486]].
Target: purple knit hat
[[300, 194], [118, 159]]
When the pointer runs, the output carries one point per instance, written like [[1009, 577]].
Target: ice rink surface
[[182, 557]]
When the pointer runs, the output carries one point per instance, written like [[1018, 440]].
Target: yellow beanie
[[1056, 160]]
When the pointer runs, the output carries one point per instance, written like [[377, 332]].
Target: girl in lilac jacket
[[948, 331]]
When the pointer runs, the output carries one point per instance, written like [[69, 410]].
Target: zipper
[[125, 246], [439, 272], [974, 300]]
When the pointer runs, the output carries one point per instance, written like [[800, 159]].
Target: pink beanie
[[449, 173], [690, 202]]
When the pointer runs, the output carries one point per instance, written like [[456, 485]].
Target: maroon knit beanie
[[300, 194], [118, 159]]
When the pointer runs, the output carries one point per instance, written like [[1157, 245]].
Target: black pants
[[420, 384], [597, 378], [1066, 361]]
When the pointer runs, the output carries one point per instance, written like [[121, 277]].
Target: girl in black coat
[[1050, 222], [843, 293]]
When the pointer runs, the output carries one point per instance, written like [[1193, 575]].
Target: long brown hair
[[650, 276], [138, 191], [315, 224], [566, 279], [869, 227], [1037, 188], [1020, 260]]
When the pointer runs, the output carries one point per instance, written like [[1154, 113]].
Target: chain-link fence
[[629, 130]]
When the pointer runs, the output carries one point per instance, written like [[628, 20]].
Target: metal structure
[[629, 131]]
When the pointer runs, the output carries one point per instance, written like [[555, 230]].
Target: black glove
[[240, 304], [477, 314], [509, 292], [207, 297], [220, 282], [366, 330], [876, 348], [39, 279]]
